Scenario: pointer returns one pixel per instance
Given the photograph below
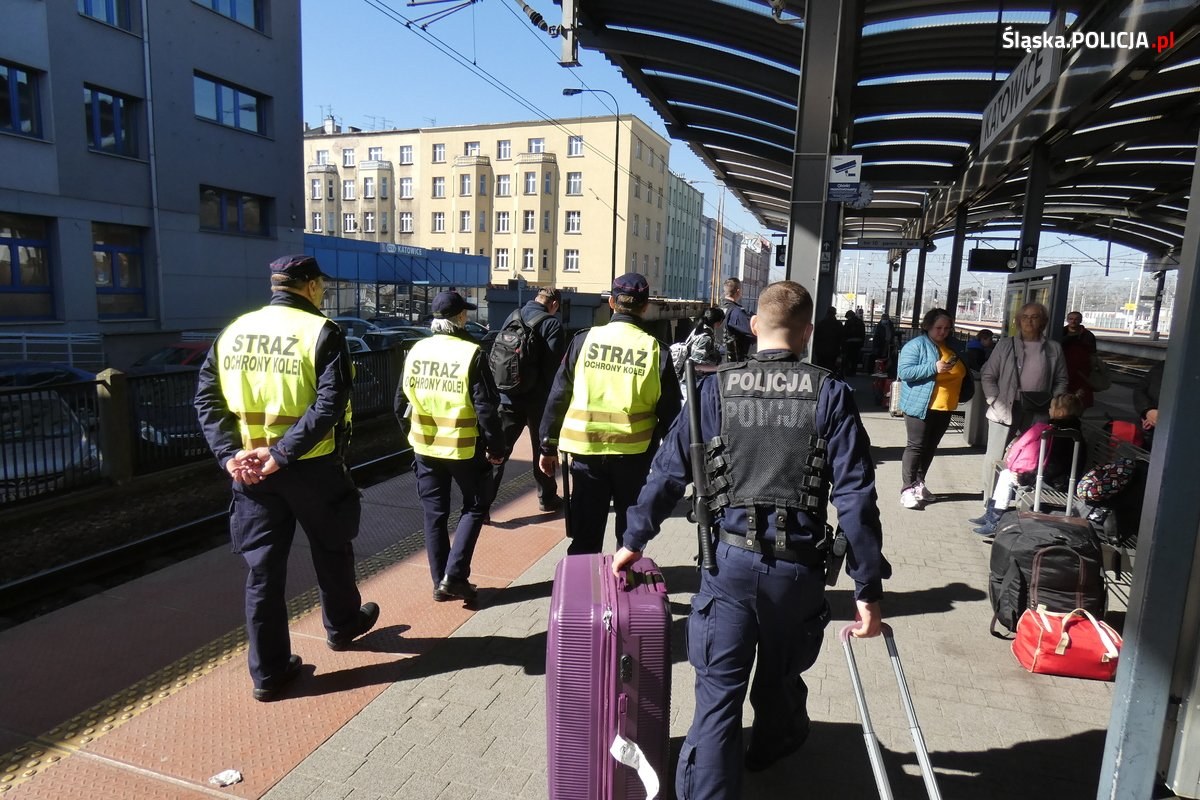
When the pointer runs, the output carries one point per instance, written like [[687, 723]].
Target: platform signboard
[[1025, 86], [884, 244], [845, 173]]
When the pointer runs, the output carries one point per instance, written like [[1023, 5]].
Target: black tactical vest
[[768, 453]]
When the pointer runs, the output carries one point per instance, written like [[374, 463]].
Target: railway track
[[34, 595]]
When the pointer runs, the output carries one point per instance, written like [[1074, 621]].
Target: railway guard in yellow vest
[[613, 398], [447, 395], [274, 405]]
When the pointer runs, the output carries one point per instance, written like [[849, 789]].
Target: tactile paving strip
[[30, 759]]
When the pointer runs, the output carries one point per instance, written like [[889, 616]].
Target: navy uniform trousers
[[749, 603], [434, 476], [595, 482], [319, 494], [525, 414]]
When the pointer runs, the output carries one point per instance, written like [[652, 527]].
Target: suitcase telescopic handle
[[874, 753]]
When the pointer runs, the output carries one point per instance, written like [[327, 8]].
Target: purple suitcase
[[608, 674]]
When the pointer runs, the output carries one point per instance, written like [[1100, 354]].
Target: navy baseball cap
[[450, 304], [633, 284], [298, 268]]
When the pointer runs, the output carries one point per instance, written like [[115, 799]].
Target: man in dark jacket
[[827, 340], [1145, 402], [521, 411], [738, 336], [852, 344]]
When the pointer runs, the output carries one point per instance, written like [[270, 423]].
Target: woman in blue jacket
[[935, 380]]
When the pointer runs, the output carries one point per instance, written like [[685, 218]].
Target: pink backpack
[[1023, 453]]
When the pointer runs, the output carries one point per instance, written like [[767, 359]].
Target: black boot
[[987, 510], [990, 523]]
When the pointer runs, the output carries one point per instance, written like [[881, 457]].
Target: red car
[[186, 354]]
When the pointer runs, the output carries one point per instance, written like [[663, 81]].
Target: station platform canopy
[[1120, 123], [401, 265]]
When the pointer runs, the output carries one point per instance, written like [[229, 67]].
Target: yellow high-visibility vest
[[266, 361], [615, 393], [443, 420]]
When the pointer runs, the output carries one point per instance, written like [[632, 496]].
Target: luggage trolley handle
[[1044, 441], [872, 741]]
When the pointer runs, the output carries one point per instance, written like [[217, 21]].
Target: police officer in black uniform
[[780, 434], [282, 437]]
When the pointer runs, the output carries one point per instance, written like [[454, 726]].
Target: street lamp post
[[570, 92]]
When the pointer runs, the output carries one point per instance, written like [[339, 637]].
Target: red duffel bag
[[1074, 644]]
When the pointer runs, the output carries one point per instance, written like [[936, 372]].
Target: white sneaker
[[909, 498], [924, 493]]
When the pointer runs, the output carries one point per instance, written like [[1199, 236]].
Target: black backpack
[[1044, 559], [516, 354]]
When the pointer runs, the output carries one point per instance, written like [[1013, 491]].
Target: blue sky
[[378, 73]]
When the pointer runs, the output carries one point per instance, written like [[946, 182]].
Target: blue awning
[[387, 263]]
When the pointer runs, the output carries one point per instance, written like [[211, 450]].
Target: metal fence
[[376, 375], [164, 431], [84, 350], [49, 441]]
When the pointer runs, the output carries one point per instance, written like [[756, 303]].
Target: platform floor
[[141, 691]]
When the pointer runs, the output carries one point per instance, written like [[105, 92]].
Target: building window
[[482, 215], [483, 182], [247, 12], [19, 111], [464, 185], [117, 262], [322, 157], [639, 149], [109, 120], [574, 145], [530, 218], [348, 190], [349, 223], [227, 211], [545, 260], [315, 183], [347, 156], [439, 187], [114, 12], [504, 149], [502, 222], [406, 188], [369, 222], [657, 264], [658, 232], [464, 251], [660, 197], [501, 258], [233, 107], [503, 185], [646, 263], [439, 222], [637, 225], [527, 264], [368, 188], [25, 289], [546, 221], [405, 221], [464, 221], [548, 183], [649, 192], [647, 229], [439, 153], [537, 146], [574, 183], [383, 221], [406, 153], [530, 183], [471, 149], [374, 154], [637, 188], [633, 263], [316, 222], [570, 261], [383, 188], [331, 195], [574, 221]]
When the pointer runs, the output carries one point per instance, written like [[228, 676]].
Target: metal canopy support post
[[1166, 553], [900, 287], [1160, 280], [956, 257], [919, 291], [1035, 199], [811, 258]]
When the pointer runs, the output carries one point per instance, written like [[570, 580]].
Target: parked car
[[402, 337], [356, 344], [164, 414], [43, 446], [355, 326], [180, 354], [22, 374], [477, 330], [390, 322]]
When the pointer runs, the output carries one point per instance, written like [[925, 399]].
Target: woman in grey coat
[[1019, 378]]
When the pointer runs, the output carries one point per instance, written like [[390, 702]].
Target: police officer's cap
[[632, 284], [450, 304], [298, 268]]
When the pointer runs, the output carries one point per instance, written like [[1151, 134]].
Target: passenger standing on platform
[[979, 348], [522, 410], [883, 343], [739, 339], [274, 404], [1079, 347], [855, 335], [613, 398], [448, 396], [827, 340], [800, 435], [1023, 373], [1145, 402], [935, 382]]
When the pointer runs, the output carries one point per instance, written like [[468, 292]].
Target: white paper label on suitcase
[[629, 754]]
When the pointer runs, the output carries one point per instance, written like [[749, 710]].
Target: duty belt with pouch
[[816, 555]]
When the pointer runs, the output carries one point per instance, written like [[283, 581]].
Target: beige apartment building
[[535, 197]]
